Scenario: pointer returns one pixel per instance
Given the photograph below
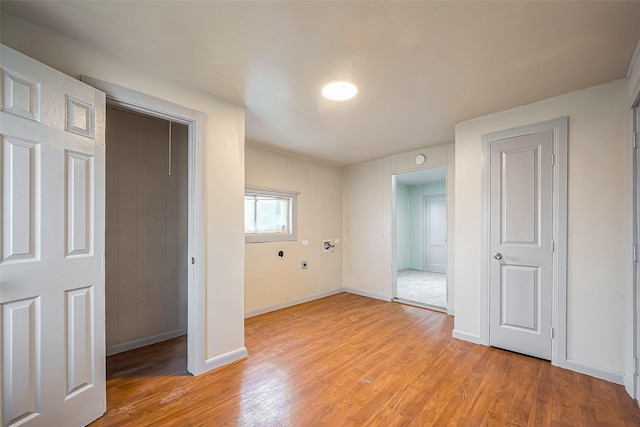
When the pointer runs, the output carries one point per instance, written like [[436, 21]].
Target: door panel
[[520, 195], [51, 268], [20, 158], [79, 194], [21, 347], [79, 315], [521, 273], [520, 289]]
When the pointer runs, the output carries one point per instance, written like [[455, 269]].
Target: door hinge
[[553, 160], [193, 260], [634, 140], [552, 337], [636, 366], [635, 253], [553, 246]]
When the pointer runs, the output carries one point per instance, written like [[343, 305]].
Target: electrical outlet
[[327, 245]]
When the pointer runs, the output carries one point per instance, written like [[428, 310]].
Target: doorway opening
[[147, 228], [195, 121], [421, 230]]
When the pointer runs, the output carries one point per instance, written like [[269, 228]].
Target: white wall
[[403, 226], [369, 253], [416, 218], [367, 228], [598, 220], [434, 188], [272, 282], [224, 167]]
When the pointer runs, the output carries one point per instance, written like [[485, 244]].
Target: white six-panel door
[[521, 243], [52, 371], [435, 225]]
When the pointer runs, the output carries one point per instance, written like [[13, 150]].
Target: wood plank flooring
[[347, 360]]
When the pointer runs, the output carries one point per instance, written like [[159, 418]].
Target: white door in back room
[[435, 226], [521, 243], [52, 371]]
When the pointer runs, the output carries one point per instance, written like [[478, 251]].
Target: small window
[[269, 215]]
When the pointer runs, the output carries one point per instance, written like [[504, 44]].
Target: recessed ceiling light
[[339, 91]]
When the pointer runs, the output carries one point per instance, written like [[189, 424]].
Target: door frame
[[196, 123], [635, 173], [426, 200], [559, 127]]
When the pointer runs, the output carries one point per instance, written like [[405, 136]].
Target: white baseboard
[[130, 345], [366, 294], [464, 336], [225, 359], [312, 298], [628, 386], [628, 380], [594, 371], [597, 372], [291, 303]]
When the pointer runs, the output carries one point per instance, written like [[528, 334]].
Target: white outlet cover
[[305, 243]]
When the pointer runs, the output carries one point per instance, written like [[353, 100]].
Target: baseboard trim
[[597, 372], [418, 305], [366, 294], [464, 336], [225, 358], [290, 303], [594, 371], [119, 348]]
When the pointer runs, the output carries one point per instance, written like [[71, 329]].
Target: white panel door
[[52, 371], [435, 226], [521, 239]]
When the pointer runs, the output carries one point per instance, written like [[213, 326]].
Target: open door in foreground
[[52, 185]]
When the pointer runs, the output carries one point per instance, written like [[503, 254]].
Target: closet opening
[[146, 245]]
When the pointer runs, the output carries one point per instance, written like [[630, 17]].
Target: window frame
[[293, 215]]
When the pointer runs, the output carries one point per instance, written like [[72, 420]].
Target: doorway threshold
[[420, 305]]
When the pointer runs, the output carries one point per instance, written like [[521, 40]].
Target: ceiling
[[422, 176], [420, 66]]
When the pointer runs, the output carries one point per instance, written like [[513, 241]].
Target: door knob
[[497, 256]]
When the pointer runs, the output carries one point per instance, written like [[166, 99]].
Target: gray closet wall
[[146, 230]]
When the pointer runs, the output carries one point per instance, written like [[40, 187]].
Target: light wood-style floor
[[351, 360]]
